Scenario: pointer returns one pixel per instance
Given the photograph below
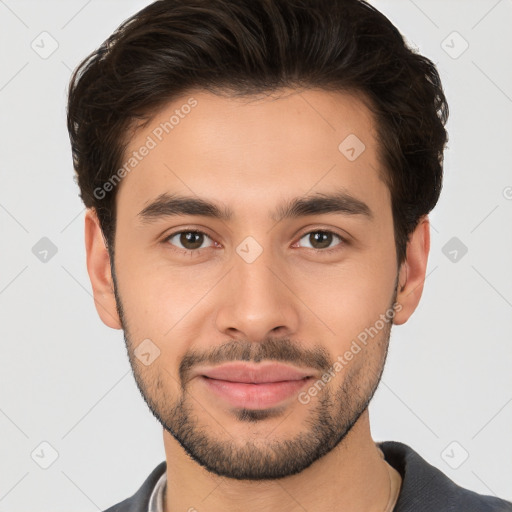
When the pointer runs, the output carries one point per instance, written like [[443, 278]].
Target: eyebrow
[[169, 205]]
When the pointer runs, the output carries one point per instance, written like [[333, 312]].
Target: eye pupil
[[325, 239], [191, 237]]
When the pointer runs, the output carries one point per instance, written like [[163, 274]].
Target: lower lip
[[255, 396]]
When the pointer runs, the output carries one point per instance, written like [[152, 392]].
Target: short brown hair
[[246, 47]]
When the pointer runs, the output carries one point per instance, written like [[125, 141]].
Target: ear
[[412, 271], [98, 267]]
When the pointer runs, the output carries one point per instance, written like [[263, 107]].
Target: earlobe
[[98, 268], [412, 272]]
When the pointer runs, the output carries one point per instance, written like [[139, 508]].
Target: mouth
[[255, 395], [260, 373], [258, 386]]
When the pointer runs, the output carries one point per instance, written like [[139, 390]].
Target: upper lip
[[254, 373]]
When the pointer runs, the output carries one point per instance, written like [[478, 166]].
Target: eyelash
[[191, 252]]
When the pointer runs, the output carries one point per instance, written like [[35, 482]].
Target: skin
[[250, 155]]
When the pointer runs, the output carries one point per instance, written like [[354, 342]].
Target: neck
[[352, 476]]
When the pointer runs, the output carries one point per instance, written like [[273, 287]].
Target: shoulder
[[139, 502], [426, 489]]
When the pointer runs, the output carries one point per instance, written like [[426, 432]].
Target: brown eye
[[189, 240], [321, 239]]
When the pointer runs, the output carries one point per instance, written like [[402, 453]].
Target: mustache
[[280, 350]]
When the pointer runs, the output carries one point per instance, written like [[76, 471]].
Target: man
[[258, 177]]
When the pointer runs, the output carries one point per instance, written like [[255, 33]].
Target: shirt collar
[[156, 500]]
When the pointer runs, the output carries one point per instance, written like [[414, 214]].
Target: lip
[[260, 373], [254, 386], [254, 396]]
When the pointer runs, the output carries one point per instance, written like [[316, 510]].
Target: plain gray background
[[65, 377]]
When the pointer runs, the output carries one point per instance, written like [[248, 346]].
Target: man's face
[[252, 288]]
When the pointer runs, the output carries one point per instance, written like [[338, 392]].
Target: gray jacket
[[424, 487]]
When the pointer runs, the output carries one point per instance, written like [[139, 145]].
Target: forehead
[[255, 149]]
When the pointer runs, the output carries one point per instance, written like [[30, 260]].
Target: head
[[280, 116]]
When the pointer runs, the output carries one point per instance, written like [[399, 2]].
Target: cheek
[[350, 296], [161, 301]]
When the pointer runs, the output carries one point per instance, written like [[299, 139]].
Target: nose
[[257, 301]]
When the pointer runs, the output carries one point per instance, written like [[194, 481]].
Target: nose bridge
[[256, 301]]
